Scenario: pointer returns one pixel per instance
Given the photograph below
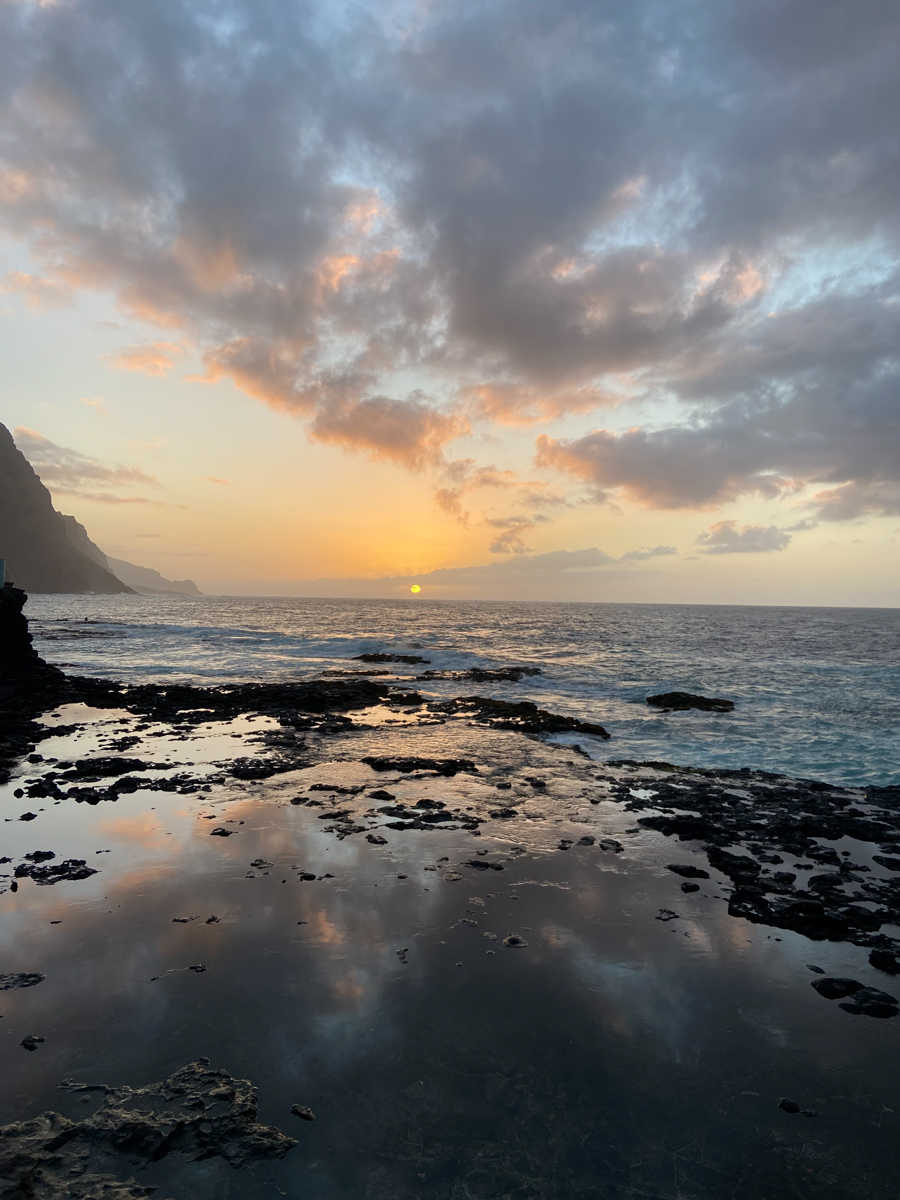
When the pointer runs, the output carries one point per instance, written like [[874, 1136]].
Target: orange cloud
[[37, 291], [408, 432], [154, 358], [263, 370], [515, 404]]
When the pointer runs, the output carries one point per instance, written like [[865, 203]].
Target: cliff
[[44, 551], [145, 579]]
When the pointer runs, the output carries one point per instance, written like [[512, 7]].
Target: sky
[[559, 300]]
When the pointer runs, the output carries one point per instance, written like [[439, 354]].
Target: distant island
[[47, 551]]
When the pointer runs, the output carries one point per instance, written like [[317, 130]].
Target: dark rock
[[381, 794], [884, 960], [885, 860], [483, 674], [304, 1113], [503, 814], [32, 1041], [23, 979], [521, 715], [679, 701], [28, 816], [835, 988], [38, 856], [219, 831], [376, 839], [195, 1114], [735, 866], [387, 658], [44, 876], [688, 871], [586, 840], [870, 1002], [405, 765], [515, 942], [788, 1106], [690, 887], [611, 845], [666, 914]]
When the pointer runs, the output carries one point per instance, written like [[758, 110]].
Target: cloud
[[155, 358], [220, 482], [510, 539], [647, 552], [68, 471], [37, 292], [771, 443], [725, 538], [408, 431], [95, 402], [517, 404], [527, 212]]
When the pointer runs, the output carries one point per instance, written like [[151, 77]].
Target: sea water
[[816, 690]]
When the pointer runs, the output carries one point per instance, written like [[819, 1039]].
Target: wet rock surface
[[751, 823], [520, 715], [482, 674], [405, 765], [196, 1113]]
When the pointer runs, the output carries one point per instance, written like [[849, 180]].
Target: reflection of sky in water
[[614, 1055]]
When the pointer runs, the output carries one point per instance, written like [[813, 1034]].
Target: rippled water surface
[[817, 690]]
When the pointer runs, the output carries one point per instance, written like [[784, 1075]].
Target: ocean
[[816, 690]]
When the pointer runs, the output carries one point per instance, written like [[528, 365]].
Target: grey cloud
[[521, 199], [836, 433], [726, 538], [68, 471], [647, 552]]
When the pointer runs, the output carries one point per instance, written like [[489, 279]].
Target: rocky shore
[[472, 789]]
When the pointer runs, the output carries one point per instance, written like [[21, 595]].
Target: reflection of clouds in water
[[324, 931], [143, 829]]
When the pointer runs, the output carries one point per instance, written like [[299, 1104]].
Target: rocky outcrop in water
[[680, 701]]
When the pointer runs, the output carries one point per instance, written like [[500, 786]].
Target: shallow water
[[613, 1055], [817, 690]]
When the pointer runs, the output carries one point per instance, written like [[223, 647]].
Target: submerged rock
[[870, 1002], [378, 657], [197, 1112], [23, 979], [834, 988], [483, 674], [680, 701]]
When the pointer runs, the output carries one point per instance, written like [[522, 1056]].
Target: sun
[[415, 588]]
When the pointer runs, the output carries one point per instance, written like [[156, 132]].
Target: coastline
[[444, 847]]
